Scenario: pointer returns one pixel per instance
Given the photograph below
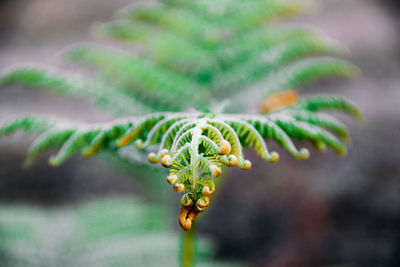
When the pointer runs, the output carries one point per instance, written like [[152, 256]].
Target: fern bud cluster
[[194, 157]]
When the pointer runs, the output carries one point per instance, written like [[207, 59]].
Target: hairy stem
[[188, 247]]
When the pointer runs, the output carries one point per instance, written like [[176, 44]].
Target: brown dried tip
[[91, 151], [127, 139], [187, 215], [279, 100]]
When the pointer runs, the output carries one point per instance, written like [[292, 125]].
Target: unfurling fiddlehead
[[194, 146]]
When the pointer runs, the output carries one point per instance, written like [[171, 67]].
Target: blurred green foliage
[[174, 50], [105, 232]]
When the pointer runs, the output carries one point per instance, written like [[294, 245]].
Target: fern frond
[[167, 50], [137, 77], [250, 137], [193, 145], [207, 29], [239, 11], [303, 131], [245, 15], [49, 139], [322, 120], [174, 20], [258, 40], [177, 57], [329, 103], [272, 131], [295, 74], [27, 124], [74, 86], [311, 70], [298, 74]]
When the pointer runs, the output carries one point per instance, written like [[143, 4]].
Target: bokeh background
[[326, 211]]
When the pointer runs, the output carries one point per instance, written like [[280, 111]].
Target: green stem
[[188, 247]]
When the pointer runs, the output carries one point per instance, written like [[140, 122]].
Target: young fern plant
[[194, 145], [180, 57]]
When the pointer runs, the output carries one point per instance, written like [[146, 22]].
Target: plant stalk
[[188, 241], [188, 247]]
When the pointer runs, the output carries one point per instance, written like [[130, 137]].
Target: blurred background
[[326, 211]]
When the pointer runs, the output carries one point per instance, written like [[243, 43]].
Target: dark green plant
[[183, 63]]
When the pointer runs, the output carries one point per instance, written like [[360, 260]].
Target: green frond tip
[[329, 103], [33, 125], [40, 78], [322, 120], [270, 130], [28, 124], [53, 138], [306, 71], [317, 135]]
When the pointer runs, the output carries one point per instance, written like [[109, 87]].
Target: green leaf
[[329, 103], [75, 86], [136, 77]]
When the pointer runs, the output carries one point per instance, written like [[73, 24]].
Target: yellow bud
[[207, 191], [303, 153], [321, 146], [216, 171], [342, 152], [166, 161], [186, 201], [274, 157], [139, 144], [152, 157], [172, 179], [202, 203], [232, 161], [225, 147], [179, 187], [246, 165], [163, 152]]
